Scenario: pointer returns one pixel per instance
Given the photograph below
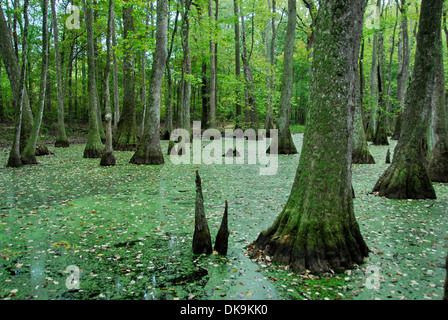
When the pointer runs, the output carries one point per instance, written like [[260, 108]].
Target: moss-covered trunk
[[360, 152], [94, 147], [148, 149], [108, 157], [125, 137], [285, 142], [317, 229], [438, 164], [29, 153], [61, 136], [407, 177]]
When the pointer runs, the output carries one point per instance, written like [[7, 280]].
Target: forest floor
[[128, 230]]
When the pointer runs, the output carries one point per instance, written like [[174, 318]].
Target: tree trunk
[[269, 121], [285, 142], [251, 113], [317, 229], [205, 96], [115, 80], [361, 153], [169, 108], [108, 158], [438, 164], [94, 147], [186, 70], [14, 159], [407, 177], [202, 242], [403, 68], [10, 60], [142, 124], [373, 103], [212, 121], [61, 136], [238, 108], [149, 150], [125, 139], [29, 153]]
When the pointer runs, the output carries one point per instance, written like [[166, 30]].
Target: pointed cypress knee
[[202, 242], [388, 156], [222, 238]]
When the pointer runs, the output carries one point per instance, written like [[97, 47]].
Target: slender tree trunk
[[238, 108], [380, 137], [115, 79], [10, 60], [94, 147], [14, 159], [108, 158], [29, 153], [380, 132], [205, 96], [269, 121], [407, 177], [126, 136], [149, 150], [142, 124], [169, 108], [403, 68], [389, 86], [373, 103], [61, 136], [285, 142], [361, 153], [212, 121], [317, 229], [186, 69], [251, 112]]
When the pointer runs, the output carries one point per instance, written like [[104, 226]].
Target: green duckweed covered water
[[128, 231]]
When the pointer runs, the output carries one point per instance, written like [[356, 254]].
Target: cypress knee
[[222, 238], [202, 242]]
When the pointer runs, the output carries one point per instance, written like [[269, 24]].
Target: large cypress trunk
[[407, 177], [317, 229], [149, 150], [438, 164]]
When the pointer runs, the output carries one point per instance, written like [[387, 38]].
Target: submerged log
[[202, 242], [222, 238]]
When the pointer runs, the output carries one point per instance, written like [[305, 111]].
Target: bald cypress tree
[[317, 229], [407, 177]]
